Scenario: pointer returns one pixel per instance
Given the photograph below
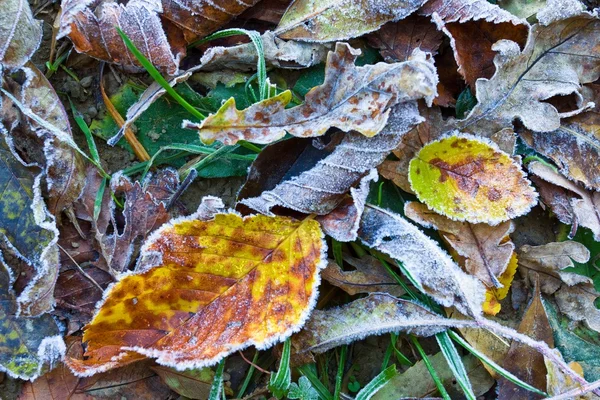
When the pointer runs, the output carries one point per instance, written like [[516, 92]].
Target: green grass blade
[[98, 200], [455, 363], [217, 385], [434, 375], [306, 370], [401, 358], [280, 382], [377, 383], [340, 373], [86, 131], [337, 252], [246, 382], [497, 368]]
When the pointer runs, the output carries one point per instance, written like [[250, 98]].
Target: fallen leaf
[[375, 314], [370, 276], [493, 296], [331, 20], [396, 41], [27, 345], [161, 312], [575, 146], [20, 34], [191, 383], [416, 382], [578, 303], [558, 382], [430, 266], [485, 250], [470, 179], [319, 187], [523, 361], [554, 62], [159, 29], [362, 103], [487, 343], [571, 203]]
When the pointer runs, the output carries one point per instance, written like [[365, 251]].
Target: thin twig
[[81, 269], [575, 393], [254, 365]]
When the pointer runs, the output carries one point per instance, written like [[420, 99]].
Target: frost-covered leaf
[[523, 361], [350, 98], [429, 265], [27, 345], [555, 62], [575, 146], [483, 249], [278, 53], [20, 33], [572, 204], [302, 390], [319, 187], [375, 314], [469, 179], [331, 20], [473, 26], [370, 276], [558, 383], [252, 279], [416, 382], [578, 303]]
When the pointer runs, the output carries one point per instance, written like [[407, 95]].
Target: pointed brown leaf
[[20, 33]]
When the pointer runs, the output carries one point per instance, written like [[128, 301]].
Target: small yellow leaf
[[491, 305], [468, 179], [222, 285]]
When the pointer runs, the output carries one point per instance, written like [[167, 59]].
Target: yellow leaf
[[468, 179], [221, 285], [491, 305]]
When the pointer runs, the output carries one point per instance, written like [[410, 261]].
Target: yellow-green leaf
[[220, 286], [469, 179]]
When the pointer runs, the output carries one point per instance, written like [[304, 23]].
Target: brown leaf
[[572, 203], [524, 362], [20, 34], [319, 187], [578, 303], [362, 103], [484, 249], [575, 146], [370, 276]]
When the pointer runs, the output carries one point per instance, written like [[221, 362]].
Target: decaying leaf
[[319, 187], [416, 382], [575, 146], [559, 383], [490, 344], [27, 346], [331, 20], [157, 28], [191, 383], [430, 266], [524, 362], [351, 98], [492, 305], [578, 303], [572, 204], [370, 276], [470, 179], [554, 62], [373, 315], [485, 250], [20, 34], [252, 279]]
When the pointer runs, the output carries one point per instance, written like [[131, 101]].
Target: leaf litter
[[348, 120]]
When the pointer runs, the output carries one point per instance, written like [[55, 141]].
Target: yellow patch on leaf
[[491, 305], [468, 179], [222, 285]]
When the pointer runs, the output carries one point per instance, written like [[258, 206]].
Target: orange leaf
[[222, 285]]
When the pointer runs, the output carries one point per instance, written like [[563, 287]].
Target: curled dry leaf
[[470, 179], [27, 346], [159, 29], [20, 34], [375, 314], [493, 296], [571, 203], [483, 249], [578, 303], [575, 146], [252, 279], [331, 20], [350, 98], [555, 62], [430, 266], [320, 187], [370, 276]]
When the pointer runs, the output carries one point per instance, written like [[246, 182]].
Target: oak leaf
[[331, 20], [554, 62], [20, 34], [470, 179], [350, 98], [484, 250], [205, 289], [431, 268]]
